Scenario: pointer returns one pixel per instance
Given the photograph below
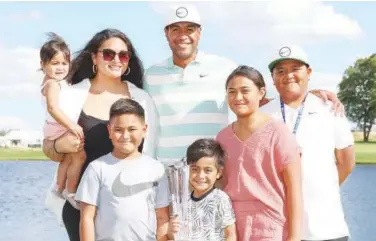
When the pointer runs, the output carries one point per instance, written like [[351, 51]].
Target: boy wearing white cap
[[326, 141]]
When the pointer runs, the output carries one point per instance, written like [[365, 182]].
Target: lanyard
[[300, 113]]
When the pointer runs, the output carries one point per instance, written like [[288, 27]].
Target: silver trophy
[[178, 178]]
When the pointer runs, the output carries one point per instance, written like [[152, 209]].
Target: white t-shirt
[[126, 194], [72, 99], [320, 132], [209, 215]]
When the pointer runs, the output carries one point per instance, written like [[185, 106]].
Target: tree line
[[357, 91]]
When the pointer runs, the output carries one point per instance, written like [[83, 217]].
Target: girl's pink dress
[[254, 181], [53, 130]]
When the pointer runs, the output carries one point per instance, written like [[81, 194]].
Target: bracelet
[[55, 148]]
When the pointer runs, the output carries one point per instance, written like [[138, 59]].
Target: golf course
[[365, 152]]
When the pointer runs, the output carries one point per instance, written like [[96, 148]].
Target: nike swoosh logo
[[119, 189], [202, 75]]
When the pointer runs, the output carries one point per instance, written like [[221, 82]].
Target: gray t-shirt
[[126, 194], [210, 214]]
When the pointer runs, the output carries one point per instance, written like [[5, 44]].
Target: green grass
[[21, 154], [365, 153]]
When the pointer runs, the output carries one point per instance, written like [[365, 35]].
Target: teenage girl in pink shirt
[[262, 170]]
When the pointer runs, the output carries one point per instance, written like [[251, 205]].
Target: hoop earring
[[129, 70], [94, 68]]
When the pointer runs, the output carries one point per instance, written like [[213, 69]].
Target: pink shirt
[[254, 181]]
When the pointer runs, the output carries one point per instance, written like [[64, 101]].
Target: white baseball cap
[[183, 13], [288, 52]]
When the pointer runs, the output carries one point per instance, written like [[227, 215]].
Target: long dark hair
[[82, 64]]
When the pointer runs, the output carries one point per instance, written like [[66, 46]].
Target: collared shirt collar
[[199, 59]]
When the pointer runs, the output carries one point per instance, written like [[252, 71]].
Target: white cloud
[[326, 81], [273, 23], [11, 122], [263, 27], [25, 16], [19, 73]]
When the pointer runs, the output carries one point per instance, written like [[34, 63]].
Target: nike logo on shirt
[[120, 189]]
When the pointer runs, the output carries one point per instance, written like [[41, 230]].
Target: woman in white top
[[106, 70]]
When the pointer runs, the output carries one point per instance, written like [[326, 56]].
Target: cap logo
[[284, 52], [181, 12]]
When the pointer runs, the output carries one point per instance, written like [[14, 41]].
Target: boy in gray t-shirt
[[211, 217], [124, 195]]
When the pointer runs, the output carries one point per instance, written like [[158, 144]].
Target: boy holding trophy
[[209, 210]]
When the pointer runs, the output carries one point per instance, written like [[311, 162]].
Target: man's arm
[[230, 232], [344, 147], [325, 95], [87, 230], [162, 223], [345, 160]]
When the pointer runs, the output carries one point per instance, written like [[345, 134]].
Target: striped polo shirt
[[190, 102]]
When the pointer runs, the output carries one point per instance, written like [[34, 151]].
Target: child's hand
[[77, 131], [174, 225]]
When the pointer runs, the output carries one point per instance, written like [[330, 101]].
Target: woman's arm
[[68, 143], [87, 230], [292, 179]]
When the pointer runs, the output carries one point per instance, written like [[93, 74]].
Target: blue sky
[[333, 34]]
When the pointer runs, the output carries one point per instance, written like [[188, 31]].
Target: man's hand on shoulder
[[326, 95]]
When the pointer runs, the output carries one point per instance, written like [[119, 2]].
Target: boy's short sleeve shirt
[[210, 215], [126, 194]]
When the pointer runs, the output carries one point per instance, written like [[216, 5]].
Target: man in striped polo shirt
[[187, 88]]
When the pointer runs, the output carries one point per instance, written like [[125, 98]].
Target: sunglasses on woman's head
[[109, 55]]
